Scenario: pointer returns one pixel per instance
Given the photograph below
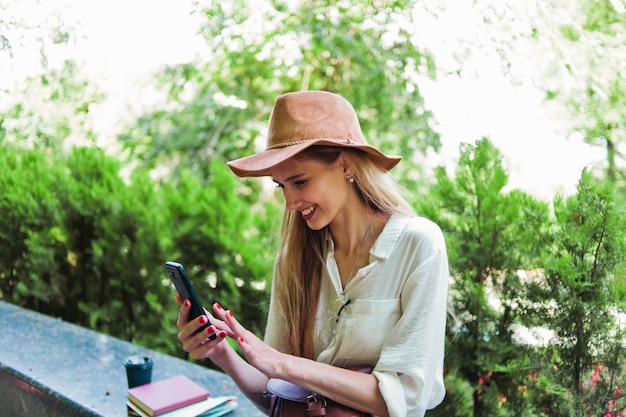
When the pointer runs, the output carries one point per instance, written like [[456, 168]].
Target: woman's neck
[[353, 240], [350, 230]]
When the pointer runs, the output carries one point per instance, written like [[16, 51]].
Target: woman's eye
[[295, 184]]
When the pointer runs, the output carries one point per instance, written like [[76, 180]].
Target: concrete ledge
[[54, 368]]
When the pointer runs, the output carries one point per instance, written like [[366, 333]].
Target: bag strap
[[316, 406]]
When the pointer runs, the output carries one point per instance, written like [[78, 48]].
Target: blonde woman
[[360, 280]]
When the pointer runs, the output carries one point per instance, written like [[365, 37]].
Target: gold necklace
[[358, 255]]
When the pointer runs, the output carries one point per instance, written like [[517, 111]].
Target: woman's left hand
[[259, 354]]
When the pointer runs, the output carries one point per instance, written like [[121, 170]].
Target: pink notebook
[[166, 395]]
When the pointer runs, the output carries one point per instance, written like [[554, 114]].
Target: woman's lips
[[307, 213]]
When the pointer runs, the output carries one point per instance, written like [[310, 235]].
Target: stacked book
[[176, 397]]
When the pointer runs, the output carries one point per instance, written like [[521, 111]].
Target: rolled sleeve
[[392, 391]]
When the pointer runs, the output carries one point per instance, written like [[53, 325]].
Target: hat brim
[[260, 165]]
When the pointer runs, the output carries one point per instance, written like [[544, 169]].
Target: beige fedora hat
[[303, 119]]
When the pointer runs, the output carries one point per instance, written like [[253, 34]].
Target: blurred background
[[117, 118]]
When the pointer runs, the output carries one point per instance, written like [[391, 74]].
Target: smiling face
[[318, 190]]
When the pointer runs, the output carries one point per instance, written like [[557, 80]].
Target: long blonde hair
[[300, 261]]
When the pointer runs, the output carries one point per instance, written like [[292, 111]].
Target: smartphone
[[184, 287]]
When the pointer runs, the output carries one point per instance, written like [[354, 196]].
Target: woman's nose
[[292, 202]]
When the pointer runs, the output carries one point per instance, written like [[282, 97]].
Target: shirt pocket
[[366, 329]]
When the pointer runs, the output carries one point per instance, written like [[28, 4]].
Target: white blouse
[[391, 315]]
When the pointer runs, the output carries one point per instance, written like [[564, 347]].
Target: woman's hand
[[200, 345], [267, 360]]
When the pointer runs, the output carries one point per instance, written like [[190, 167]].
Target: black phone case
[[185, 288]]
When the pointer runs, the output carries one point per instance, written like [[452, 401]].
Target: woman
[[360, 280]]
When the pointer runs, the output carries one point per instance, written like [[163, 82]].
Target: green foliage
[[490, 236], [578, 298], [485, 225], [114, 245], [79, 247], [83, 243], [598, 100], [219, 238], [517, 267], [50, 111], [362, 51], [601, 16], [29, 233], [458, 401]]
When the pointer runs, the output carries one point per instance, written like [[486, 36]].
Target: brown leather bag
[[291, 400]]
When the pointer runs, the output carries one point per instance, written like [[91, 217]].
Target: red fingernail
[[219, 307], [187, 303], [202, 319], [210, 330], [230, 313], [222, 334], [241, 340]]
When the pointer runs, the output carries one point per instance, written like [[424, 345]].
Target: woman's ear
[[344, 163]]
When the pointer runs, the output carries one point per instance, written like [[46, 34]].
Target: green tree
[[571, 51], [599, 106], [491, 236], [361, 50], [112, 245], [220, 240], [581, 70], [76, 244], [49, 104], [30, 239], [580, 299]]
